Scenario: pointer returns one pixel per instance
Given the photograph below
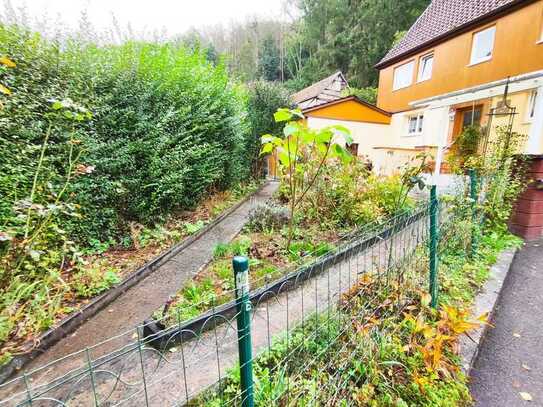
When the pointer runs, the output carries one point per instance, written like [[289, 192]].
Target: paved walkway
[[510, 361], [138, 302]]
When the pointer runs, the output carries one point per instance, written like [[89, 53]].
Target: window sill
[[412, 135], [482, 61], [539, 42], [403, 87], [423, 80]]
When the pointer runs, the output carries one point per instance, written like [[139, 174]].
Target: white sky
[[177, 16]]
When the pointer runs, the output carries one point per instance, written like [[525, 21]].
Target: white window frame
[[475, 41], [422, 61], [530, 107], [419, 125], [410, 66]]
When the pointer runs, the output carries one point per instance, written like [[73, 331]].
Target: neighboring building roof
[[349, 109], [346, 99], [443, 19], [324, 91]]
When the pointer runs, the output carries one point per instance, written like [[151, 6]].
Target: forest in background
[[315, 39], [309, 41]]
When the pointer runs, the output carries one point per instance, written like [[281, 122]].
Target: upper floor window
[[403, 75], [426, 64], [483, 45], [414, 124]]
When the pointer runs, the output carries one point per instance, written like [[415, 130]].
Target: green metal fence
[[211, 360]]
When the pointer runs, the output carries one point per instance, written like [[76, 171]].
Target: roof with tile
[[442, 18], [323, 91]]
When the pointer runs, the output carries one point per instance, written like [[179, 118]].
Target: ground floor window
[[415, 124], [471, 117]]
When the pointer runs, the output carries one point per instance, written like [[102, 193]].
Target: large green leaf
[[282, 115]]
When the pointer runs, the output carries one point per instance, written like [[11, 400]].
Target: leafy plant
[[267, 217], [506, 175], [91, 281], [191, 228], [302, 155], [264, 98]]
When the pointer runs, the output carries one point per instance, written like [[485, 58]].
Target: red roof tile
[[442, 17]]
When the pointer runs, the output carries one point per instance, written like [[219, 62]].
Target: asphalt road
[[509, 367]]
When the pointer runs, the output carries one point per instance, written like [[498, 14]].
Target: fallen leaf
[[526, 367], [516, 335], [7, 62], [526, 396], [4, 90], [173, 350], [483, 318], [425, 299]]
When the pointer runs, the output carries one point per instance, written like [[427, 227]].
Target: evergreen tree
[[269, 60]]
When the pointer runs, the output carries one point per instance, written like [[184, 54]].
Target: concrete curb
[[69, 324], [485, 302]]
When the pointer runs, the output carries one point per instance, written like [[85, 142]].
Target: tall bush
[[93, 138], [167, 127]]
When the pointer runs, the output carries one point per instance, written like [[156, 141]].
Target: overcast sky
[[177, 16]]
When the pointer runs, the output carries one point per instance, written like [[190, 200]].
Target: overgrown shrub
[[268, 216], [167, 127], [95, 139], [350, 195]]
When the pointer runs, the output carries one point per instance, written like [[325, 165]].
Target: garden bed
[[269, 258], [111, 270]]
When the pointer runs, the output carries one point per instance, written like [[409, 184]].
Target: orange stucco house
[[462, 63], [452, 67], [450, 70]]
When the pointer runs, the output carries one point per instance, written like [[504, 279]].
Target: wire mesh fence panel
[[298, 323]]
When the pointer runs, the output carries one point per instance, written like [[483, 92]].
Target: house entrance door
[[466, 117]]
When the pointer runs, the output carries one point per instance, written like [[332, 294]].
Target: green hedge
[[167, 127]]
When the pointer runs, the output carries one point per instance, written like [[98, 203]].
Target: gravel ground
[[510, 362]]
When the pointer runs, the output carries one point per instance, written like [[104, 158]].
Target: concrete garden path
[[138, 302], [510, 362]]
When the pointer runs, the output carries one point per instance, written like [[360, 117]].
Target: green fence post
[[474, 195], [243, 307], [433, 245]]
